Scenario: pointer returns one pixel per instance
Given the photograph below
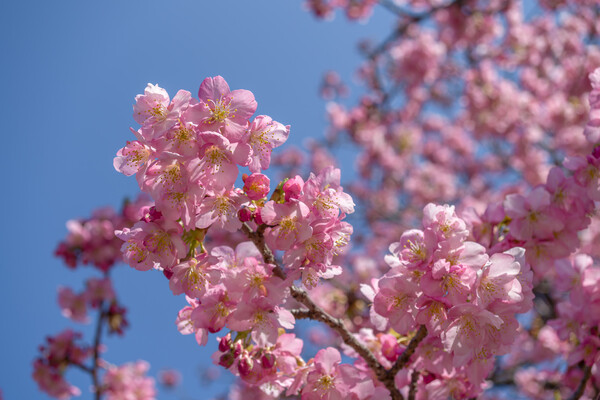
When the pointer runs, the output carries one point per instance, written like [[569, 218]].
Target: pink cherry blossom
[[264, 135], [291, 223], [74, 306], [256, 186], [156, 113], [325, 196], [332, 380], [193, 276], [129, 381], [221, 210], [222, 110]]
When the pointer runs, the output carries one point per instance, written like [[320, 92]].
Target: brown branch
[[301, 314], [408, 19], [408, 352], [316, 313], [259, 241], [82, 367], [94, 370], [414, 378], [587, 373]]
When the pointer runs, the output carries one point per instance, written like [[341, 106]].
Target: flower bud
[[293, 188], [257, 217], [225, 343], [268, 360], [167, 273], [227, 360], [237, 349], [152, 215], [116, 318], [245, 366], [389, 347], [245, 214], [256, 186]]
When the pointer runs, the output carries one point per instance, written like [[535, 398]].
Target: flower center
[[326, 382], [220, 111]]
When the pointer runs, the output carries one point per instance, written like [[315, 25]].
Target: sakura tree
[[459, 261]]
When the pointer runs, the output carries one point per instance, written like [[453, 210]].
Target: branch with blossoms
[[507, 136], [92, 242], [187, 157], [429, 298], [314, 312], [439, 316]]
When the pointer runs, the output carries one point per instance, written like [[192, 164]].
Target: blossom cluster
[[93, 241], [465, 298], [59, 352], [129, 381], [89, 241], [482, 104], [187, 157]]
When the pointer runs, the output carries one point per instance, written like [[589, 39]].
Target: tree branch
[[410, 350], [587, 373], [259, 241], [409, 18], [82, 367], [414, 378], [316, 313], [301, 314], [97, 337]]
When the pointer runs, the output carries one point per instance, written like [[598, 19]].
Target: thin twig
[[409, 19], [259, 241], [82, 367], [414, 378], [301, 314], [410, 350], [97, 337], [587, 373], [318, 314]]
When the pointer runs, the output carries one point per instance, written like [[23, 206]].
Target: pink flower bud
[[268, 360], [256, 186], [225, 343], [389, 347], [245, 214], [293, 188], [245, 366], [169, 378], [237, 349], [227, 360], [257, 217], [167, 273], [116, 318], [428, 378], [152, 215]]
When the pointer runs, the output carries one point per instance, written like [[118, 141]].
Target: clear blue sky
[[69, 72]]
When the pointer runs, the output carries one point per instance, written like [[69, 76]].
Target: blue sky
[[70, 70]]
